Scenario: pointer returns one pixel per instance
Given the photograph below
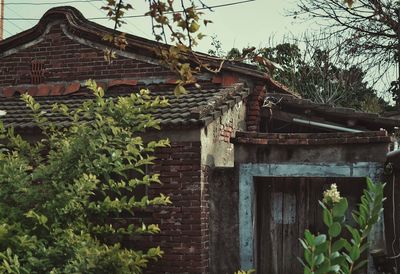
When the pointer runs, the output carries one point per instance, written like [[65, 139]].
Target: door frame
[[247, 204]]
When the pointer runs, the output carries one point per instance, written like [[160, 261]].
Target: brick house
[[232, 142]]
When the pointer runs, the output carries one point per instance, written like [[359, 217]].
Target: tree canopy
[[316, 72], [318, 76], [367, 29]]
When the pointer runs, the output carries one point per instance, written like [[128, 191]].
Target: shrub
[[60, 196]]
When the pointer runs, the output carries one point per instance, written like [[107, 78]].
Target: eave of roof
[[196, 109]]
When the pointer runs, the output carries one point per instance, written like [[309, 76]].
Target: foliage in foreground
[[332, 253], [61, 196]]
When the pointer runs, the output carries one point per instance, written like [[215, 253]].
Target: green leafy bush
[[61, 197], [332, 253]]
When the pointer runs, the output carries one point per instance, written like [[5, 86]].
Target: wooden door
[[286, 207]]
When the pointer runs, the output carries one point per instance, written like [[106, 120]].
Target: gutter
[[323, 125]]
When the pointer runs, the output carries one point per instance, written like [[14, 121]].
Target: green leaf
[[338, 245], [354, 233], [347, 246], [308, 257], [320, 239], [354, 253], [340, 208], [319, 259], [348, 258], [309, 237], [179, 90], [335, 229], [335, 268], [323, 268], [303, 244], [370, 184], [339, 260], [322, 205], [322, 248], [327, 217], [307, 270]]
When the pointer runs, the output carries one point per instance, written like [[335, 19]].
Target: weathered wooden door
[[285, 208]]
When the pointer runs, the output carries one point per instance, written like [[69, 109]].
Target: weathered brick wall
[[254, 103], [58, 58], [184, 233], [226, 131]]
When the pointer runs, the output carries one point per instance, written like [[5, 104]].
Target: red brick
[[122, 82], [8, 91], [71, 88], [32, 90], [43, 90], [217, 79], [229, 80]]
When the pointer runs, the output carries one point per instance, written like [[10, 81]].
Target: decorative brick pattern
[[36, 72], [311, 138]]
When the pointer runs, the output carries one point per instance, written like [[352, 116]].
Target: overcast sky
[[252, 23]]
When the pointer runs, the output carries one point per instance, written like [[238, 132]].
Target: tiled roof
[[195, 109]]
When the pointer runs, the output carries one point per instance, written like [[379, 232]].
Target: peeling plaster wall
[[217, 151], [216, 148]]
